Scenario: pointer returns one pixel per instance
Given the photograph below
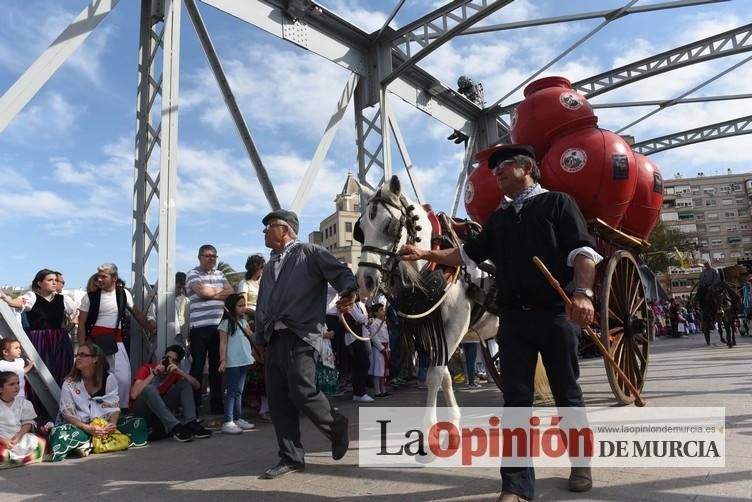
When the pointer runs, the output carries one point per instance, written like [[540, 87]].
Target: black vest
[[94, 300], [47, 314]]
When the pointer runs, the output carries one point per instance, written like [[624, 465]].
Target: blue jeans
[[471, 354], [423, 362], [234, 384]]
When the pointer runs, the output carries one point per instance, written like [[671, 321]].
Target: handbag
[[107, 342], [115, 441]]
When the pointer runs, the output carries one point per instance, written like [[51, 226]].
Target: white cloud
[[49, 115]]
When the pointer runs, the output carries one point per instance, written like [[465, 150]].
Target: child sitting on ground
[[11, 360], [18, 446]]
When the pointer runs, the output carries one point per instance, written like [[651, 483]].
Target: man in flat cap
[[532, 221], [290, 320]]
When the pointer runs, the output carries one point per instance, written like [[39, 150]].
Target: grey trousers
[[291, 390], [149, 403]]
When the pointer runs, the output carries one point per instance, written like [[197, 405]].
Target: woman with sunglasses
[[90, 392]]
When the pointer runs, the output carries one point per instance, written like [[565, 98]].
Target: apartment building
[[718, 210], [336, 230]]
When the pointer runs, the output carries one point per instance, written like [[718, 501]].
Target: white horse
[[389, 221]]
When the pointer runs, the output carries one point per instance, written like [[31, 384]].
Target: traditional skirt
[[28, 450], [56, 350], [67, 438]]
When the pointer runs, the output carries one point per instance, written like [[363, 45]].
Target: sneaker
[[182, 434], [365, 398], [231, 428], [266, 417], [246, 426], [198, 430]]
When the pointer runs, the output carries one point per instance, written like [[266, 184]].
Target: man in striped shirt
[[207, 289]]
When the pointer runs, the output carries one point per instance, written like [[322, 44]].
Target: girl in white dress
[[18, 446], [379, 333]]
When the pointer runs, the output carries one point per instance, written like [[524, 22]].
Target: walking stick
[[606, 354]]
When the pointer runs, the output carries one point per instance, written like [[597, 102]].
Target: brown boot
[[580, 479], [511, 497]]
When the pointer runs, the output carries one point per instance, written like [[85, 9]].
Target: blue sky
[[66, 162]]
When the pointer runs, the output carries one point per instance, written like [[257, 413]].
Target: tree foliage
[[664, 241], [230, 274]]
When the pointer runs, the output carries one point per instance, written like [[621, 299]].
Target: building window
[[716, 242], [727, 202], [736, 187], [348, 226], [709, 190], [714, 228], [711, 202], [731, 228], [334, 229], [670, 216], [684, 203], [740, 200], [712, 216], [724, 189], [356, 207], [700, 217], [730, 214], [744, 226]]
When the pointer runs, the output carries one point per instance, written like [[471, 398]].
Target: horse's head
[[389, 220]]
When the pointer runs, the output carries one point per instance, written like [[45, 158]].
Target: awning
[[686, 214], [734, 238]]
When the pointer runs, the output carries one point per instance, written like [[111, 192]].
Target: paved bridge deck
[[682, 372]]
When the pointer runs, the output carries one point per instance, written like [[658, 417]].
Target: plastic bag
[[327, 354], [115, 441]]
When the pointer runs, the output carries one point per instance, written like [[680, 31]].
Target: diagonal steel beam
[[686, 93], [606, 14], [389, 19], [726, 129], [33, 79], [445, 14], [232, 104], [735, 41], [306, 183], [727, 43], [339, 42], [664, 103], [617, 14]]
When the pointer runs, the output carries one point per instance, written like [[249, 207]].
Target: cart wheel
[[625, 323], [492, 362]]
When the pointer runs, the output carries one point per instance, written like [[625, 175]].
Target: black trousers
[[205, 340], [522, 335], [361, 363], [291, 390]]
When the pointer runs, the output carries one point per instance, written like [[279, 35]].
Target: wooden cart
[[623, 317]]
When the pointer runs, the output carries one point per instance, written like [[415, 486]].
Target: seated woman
[[91, 392], [18, 445]]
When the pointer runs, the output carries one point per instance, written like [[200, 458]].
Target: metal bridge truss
[[381, 64]]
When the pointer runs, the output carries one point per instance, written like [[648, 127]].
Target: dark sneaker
[[340, 437], [181, 433], [281, 469], [198, 430]]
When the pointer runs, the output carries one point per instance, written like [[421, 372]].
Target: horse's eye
[[372, 212]]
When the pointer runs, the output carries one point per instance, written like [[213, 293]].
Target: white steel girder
[[41, 70], [154, 191]]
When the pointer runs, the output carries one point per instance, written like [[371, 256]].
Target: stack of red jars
[[596, 167]]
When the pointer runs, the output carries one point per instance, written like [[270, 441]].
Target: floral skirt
[[67, 438], [28, 450]]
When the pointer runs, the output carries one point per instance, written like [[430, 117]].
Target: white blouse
[[14, 415], [75, 400]]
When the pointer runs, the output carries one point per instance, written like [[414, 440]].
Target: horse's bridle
[[406, 220]]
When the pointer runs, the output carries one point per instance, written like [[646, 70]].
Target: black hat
[[507, 152], [282, 214]]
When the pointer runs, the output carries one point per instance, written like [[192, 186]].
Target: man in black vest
[[103, 318], [532, 222]]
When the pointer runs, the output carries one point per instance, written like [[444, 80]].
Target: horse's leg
[[451, 401], [433, 380]]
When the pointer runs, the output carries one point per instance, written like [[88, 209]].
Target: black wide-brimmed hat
[[507, 152]]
